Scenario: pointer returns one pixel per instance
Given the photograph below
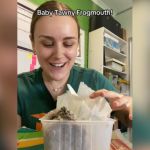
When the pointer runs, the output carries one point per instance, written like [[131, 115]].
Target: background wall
[[141, 74], [26, 61], [126, 21], [141, 54]]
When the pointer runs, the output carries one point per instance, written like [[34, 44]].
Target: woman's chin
[[58, 77]]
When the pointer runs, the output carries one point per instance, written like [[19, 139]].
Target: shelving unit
[[113, 53], [104, 47], [115, 71]]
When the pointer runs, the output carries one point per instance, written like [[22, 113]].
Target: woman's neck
[[55, 87], [54, 83]]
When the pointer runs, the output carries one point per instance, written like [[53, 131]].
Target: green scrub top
[[34, 99]]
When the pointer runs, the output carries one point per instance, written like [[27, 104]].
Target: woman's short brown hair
[[52, 6]]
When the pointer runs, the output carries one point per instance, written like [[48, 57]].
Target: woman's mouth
[[58, 65]]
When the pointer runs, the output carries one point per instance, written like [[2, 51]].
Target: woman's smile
[[57, 65]]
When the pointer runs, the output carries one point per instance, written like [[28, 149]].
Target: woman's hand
[[116, 101]]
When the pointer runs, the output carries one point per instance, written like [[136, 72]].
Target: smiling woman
[[55, 41]]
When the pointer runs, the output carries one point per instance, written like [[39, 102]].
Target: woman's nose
[[58, 51]]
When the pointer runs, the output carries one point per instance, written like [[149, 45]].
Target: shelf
[[109, 53], [115, 36], [115, 71], [116, 61], [112, 53]]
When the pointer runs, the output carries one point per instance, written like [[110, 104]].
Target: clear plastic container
[[77, 135]]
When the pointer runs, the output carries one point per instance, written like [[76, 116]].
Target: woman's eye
[[68, 44], [48, 44]]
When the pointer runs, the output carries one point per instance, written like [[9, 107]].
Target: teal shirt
[[34, 97]]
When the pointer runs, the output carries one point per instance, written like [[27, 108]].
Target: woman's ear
[[78, 51], [32, 42], [34, 52]]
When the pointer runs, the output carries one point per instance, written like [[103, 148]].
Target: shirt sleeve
[[103, 83]]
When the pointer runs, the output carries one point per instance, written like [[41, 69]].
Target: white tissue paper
[[82, 106]]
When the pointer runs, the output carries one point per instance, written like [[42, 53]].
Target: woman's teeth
[[57, 65]]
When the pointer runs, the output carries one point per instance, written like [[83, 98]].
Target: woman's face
[[56, 43]]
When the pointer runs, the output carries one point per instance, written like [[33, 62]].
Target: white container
[[77, 135], [115, 64]]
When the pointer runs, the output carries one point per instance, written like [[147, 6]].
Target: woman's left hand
[[117, 101]]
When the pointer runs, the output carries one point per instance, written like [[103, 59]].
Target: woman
[[55, 41]]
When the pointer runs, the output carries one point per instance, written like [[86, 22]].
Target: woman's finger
[[105, 93], [130, 109], [98, 93], [119, 103]]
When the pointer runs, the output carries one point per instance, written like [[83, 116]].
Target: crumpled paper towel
[[82, 106]]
